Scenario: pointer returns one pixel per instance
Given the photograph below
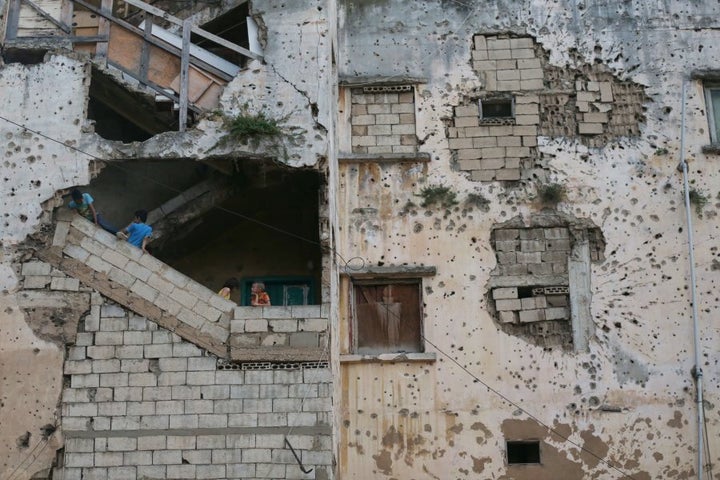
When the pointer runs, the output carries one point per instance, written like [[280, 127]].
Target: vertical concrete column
[[580, 293]]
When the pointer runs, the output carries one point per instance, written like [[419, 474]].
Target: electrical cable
[[29, 454], [527, 413], [347, 265], [390, 313]]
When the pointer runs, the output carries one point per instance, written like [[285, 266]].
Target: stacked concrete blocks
[[298, 326], [532, 251], [41, 275], [594, 102], [507, 63], [525, 257], [536, 308], [140, 402], [383, 120], [493, 150]]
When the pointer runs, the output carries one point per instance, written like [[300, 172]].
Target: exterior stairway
[[154, 290], [167, 63]]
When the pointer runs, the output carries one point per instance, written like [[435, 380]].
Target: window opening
[[496, 108], [523, 452], [283, 291], [231, 26], [387, 317], [712, 100]]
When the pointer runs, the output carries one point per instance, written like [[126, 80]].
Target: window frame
[[354, 331], [712, 116], [508, 443], [496, 100]]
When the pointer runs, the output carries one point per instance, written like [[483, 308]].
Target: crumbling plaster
[[633, 389]]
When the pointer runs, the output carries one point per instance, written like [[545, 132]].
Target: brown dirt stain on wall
[[677, 421], [595, 445], [479, 463], [383, 461]]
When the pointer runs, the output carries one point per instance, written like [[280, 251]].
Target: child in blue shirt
[[83, 204], [137, 233]]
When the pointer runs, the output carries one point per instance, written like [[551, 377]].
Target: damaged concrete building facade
[[469, 218]]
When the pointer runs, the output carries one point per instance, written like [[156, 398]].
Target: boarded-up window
[[387, 317]]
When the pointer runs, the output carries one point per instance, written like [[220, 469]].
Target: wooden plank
[[155, 11], [46, 16], [13, 19], [210, 99], [145, 52], [66, 12], [221, 41], [198, 83], [101, 49], [157, 43], [163, 67], [204, 90], [184, 74], [88, 39], [124, 49], [84, 19]]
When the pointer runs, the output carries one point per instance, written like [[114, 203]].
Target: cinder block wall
[[141, 402], [383, 119]]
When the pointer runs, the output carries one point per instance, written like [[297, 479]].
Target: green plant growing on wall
[[248, 128], [698, 199], [551, 194], [438, 195], [244, 126]]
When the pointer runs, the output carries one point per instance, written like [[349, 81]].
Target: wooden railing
[[169, 64]]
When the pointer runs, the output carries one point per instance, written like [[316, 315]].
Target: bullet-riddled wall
[[554, 324]]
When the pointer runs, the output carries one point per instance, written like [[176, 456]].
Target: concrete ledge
[[391, 271], [298, 430], [389, 358], [270, 354], [528, 281], [380, 81], [420, 157]]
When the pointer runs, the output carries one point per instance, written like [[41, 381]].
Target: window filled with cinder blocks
[[383, 119], [531, 292]]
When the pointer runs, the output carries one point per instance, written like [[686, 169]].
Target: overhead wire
[[346, 265], [27, 456]]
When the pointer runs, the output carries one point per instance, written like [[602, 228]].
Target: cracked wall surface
[[627, 395]]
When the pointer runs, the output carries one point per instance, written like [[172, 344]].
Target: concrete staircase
[[154, 290]]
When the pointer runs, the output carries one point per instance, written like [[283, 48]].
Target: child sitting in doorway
[[258, 295]]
